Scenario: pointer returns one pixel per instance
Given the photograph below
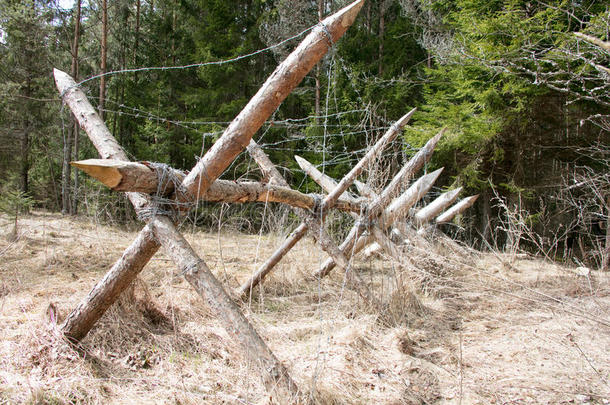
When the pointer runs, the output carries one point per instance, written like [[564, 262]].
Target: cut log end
[[108, 174]]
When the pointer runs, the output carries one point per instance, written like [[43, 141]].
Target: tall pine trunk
[[317, 99], [103, 58], [69, 204]]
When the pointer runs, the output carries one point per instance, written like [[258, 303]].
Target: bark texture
[[140, 177]]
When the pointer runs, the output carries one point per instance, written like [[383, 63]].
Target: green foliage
[[15, 202]]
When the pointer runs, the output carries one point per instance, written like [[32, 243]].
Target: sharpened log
[[399, 208], [457, 209], [209, 288], [269, 97], [327, 183], [133, 176], [377, 206], [428, 212], [123, 272]]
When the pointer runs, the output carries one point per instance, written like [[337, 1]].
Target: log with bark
[[142, 177]]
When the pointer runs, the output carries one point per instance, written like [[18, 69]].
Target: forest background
[[522, 86]]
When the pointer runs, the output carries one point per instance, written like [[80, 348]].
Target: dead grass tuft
[[452, 326]]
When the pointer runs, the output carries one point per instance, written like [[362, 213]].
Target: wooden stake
[[458, 208], [327, 183], [435, 207]]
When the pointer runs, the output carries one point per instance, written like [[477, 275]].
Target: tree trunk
[[76, 133], [136, 39], [102, 102], [317, 76], [68, 199], [382, 10], [606, 254]]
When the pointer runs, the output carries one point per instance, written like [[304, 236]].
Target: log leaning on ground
[[209, 288], [382, 200], [160, 231], [269, 97], [140, 177], [123, 272], [335, 252]]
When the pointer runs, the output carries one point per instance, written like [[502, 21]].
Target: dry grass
[[455, 326]]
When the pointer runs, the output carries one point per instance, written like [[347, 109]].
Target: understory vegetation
[[505, 302], [522, 91]]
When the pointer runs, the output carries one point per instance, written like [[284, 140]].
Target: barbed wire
[[199, 64]]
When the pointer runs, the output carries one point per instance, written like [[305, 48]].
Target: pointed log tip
[[109, 176], [347, 14], [303, 164], [402, 121]]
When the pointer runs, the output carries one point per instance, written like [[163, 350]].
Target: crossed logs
[[374, 213]]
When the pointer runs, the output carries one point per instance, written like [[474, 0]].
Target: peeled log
[[327, 183], [456, 209], [382, 200], [269, 97], [133, 176], [355, 241], [435, 207]]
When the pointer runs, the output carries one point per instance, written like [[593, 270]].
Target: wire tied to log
[[317, 205], [162, 205], [327, 34]]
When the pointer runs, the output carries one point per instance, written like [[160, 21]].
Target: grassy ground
[[455, 326]]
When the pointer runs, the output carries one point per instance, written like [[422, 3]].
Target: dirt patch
[[454, 325]]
